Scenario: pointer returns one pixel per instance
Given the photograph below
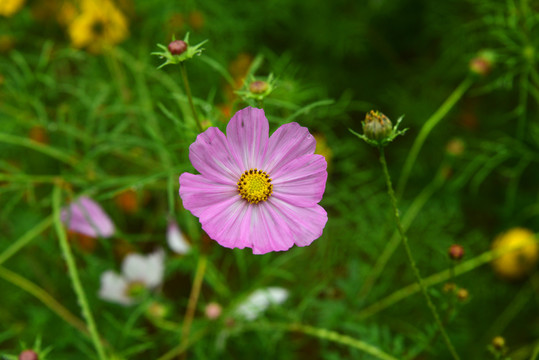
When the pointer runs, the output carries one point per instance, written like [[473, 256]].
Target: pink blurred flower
[[86, 217], [213, 310], [254, 190]]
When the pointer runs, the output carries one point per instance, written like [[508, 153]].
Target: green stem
[[434, 279], [341, 339], [427, 128], [431, 306], [395, 240], [189, 96], [523, 103], [25, 239], [193, 300], [44, 149], [44, 297], [74, 275]]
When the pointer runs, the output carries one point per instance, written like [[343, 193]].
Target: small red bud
[[28, 355], [456, 252], [177, 47], [213, 310], [482, 64]]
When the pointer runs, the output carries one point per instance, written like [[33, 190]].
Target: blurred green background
[[96, 117]]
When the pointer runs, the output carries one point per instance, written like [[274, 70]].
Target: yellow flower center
[[255, 186], [98, 28]]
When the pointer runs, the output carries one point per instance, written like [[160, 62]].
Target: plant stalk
[[74, 274], [431, 306], [189, 96]]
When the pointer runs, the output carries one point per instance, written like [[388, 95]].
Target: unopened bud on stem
[[377, 126], [177, 47]]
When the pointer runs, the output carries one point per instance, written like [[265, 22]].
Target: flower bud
[[157, 310], [213, 310], [498, 342], [463, 294], [482, 63], [258, 87], [28, 355], [449, 287], [455, 147], [456, 252], [377, 126], [177, 47]]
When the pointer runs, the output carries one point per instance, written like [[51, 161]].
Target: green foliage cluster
[[106, 125]]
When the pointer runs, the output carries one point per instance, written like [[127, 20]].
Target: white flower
[[139, 272], [176, 240], [259, 301]]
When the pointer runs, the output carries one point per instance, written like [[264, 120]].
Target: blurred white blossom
[[139, 273], [176, 240], [259, 301]]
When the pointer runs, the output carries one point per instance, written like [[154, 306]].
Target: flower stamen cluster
[[255, 186]]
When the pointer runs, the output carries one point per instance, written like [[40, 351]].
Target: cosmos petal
[[228, 223], [197, 192], [305, 223], [86, 217], [269, 230], [210, 155], [286, 144], [247, 134], [302, 181]]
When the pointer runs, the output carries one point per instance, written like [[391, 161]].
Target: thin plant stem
[[74, 274], [44, 149], [44, 297], [341, 339], [523, 103], [25, 239], [434, 279], [431, 306], [427, 128], [180, 349], [535, 353], [193, 300], [393, 243], [189, 96]]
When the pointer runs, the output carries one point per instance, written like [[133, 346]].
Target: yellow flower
[[10, 7], [99, 25], [518, 263]]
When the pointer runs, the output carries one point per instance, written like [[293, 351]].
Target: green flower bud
[[258, 87], [377, 126], [178, 51], [498, 342]]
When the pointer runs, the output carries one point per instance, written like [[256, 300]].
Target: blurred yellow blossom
[[99, 25], [322, 147], [10, 7], [518, 263]]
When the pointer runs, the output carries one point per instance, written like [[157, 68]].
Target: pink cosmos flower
[[86, 217], [254, 190]]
